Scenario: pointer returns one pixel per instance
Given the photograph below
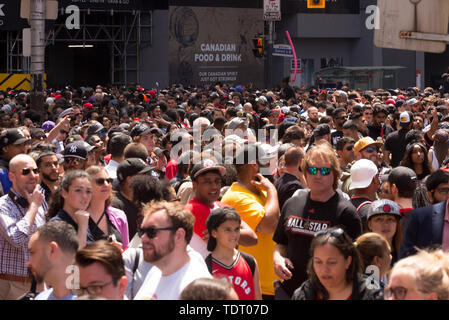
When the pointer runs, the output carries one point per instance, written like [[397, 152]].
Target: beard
[[314, 120], [157, 254], [49, 178]]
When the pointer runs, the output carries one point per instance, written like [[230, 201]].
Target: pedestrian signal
[[316, 4], [258, 44]]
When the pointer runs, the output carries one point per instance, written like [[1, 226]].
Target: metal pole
[[37, 23], [270, 54]]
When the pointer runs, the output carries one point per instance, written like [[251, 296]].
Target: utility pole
[[37, 70]]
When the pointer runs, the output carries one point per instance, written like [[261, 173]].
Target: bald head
[[23, 174], [18, 161]]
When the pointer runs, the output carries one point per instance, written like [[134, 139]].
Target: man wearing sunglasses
[[166, 231], [75, 156], [345, 152], [309, 212], [12, 143], [339, 117], [22, 210]]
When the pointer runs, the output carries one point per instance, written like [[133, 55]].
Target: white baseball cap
[[362, 174]]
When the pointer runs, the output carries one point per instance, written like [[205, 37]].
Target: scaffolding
[[126, 32]]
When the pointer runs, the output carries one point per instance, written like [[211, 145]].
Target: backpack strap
[[209, 262], [250, 261], [362, 204], [136, 262]]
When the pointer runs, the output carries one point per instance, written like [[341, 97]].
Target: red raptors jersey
[[238, 274]]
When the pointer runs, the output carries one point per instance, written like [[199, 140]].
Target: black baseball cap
[[130, 167], [95, 128], [141, 129], [404, 178], [13, 136], [205, 166]]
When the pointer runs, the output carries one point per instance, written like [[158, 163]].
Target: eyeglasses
[[398, 293], [323, 171], [371, 149], [101, 181], [26, 172], [151, 232], [63, 131], [93, 290], [333, 232], [350, 148]]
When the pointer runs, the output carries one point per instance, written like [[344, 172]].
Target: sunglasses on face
[[371, 149], [323, 171], [26, 172], [40, 137], [350, 148], [151, 232], [72, 160], [63, 131], [101, 181]]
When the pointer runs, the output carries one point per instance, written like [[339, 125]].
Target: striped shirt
[[15, 234]]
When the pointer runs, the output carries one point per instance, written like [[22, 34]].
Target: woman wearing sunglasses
[[334, 270], [424, 276], [108, 223]]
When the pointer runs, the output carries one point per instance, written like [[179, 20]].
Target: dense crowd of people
[[225, 192]]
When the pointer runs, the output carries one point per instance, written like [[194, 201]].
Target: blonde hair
[[325, 152], [430, 269]]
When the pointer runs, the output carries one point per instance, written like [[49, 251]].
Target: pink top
[[120, 221], [445, 243]]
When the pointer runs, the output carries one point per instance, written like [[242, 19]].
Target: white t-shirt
[[136, 280], [158, 287]]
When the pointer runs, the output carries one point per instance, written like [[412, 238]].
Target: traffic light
[[316, 4], [258, 44]]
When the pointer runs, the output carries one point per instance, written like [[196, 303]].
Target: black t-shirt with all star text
[[301, 218]]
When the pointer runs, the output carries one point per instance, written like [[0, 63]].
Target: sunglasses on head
[[371, 149], [26, 172], [101, 181], [323, 171], [151, 232], [333, 232]]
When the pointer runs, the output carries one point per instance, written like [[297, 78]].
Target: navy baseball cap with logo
[[76, 149], [13, 136], [384, 206]]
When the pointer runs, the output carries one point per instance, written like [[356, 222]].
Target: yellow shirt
[[251, 208]]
